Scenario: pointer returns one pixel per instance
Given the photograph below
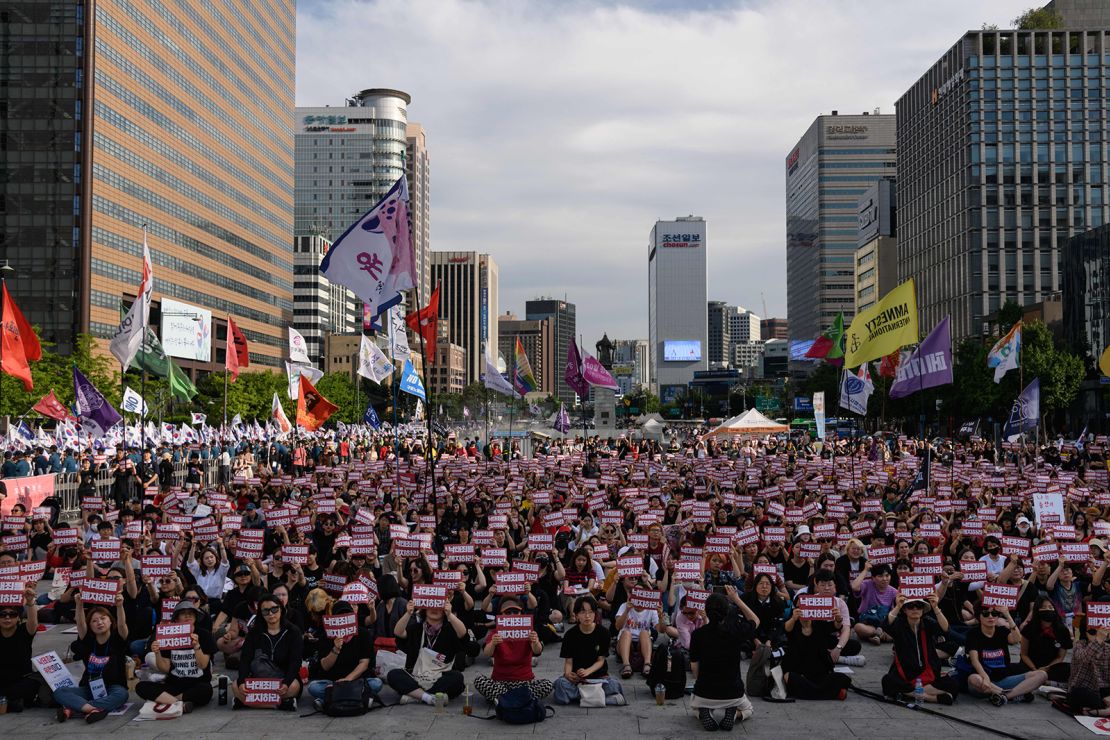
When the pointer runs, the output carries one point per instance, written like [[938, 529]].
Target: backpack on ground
[[518, 707], [668, 667], [347, 699]]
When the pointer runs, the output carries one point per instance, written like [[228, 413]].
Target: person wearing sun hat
[[915, 626], [188, 671], [512, 665]]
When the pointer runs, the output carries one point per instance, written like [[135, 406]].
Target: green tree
[[338, 388], [825, 378], [1039, 18], [974, 393], [1061, 372], [644, 400], [55, 372], [1009, 314]]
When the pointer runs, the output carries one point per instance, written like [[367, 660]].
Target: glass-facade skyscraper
[[837, 159], [170, 114], [1001, 158]]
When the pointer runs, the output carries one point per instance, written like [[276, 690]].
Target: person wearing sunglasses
[[985, 669], [272, 649], [17, 676], [512, 665], [915, 626]]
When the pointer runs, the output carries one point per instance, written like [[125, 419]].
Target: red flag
[[236, 354], [19, 343], [425, 322], [888, 366], [312, 408], [50, 407]]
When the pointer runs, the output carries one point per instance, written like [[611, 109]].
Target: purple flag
[[96, 414], [927, 366], [573, 374], [596, 374], [562, 421]]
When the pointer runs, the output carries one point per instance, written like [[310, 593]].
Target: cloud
[[560, 131]]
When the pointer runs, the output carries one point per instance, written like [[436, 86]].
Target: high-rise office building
[[419, 171], [468, 303], [718, 336], [562, 315], [630, 364], [537, 339], [774, 329], [876, 261], [826, 172], [677, 319], [1002, 156], [184, 123]]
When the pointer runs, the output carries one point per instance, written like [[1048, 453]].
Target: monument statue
[[605, 352]]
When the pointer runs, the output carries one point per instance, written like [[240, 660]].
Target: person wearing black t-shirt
[[102, 646], [585, 650], [17, 680], [1045, 641], [985, 670], [188, 671], [431, 644], [714, 658], [342, 659]]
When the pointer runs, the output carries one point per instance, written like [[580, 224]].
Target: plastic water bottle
[[918, 693]]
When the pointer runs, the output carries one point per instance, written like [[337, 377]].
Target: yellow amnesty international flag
[[1104, 362], [885, 327]]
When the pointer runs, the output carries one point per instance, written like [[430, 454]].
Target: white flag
[[374, 257], [277, 413], [298, 350], [295, 372], [855, 390], [236, 421], [128, 338], [398, 335], [495, 382], [133, 402], [372, 362]]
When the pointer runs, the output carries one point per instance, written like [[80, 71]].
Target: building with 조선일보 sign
[[678, 327], [876, 258], [1001, 159], [835, 161], [468, 303], [173, 115]]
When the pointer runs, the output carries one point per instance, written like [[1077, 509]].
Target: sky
[[559, 131]]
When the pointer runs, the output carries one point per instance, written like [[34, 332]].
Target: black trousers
[[198, 691], [800, 686], [451, 683]]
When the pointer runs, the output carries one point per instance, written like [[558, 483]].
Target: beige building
[[876, 256], [418, 168], [468, 303], [537, 339], [174, 115], [448, 374]]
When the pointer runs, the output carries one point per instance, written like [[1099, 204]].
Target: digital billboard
[[681, 350], [186, 331]]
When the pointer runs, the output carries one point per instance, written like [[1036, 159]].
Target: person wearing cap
[[17, 676], [512, 665], [915, 626], [342, 659], [188, 671], [235, 609]]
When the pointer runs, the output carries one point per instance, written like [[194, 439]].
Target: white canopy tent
[[751, 423]]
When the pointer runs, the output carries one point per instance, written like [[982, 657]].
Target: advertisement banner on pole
[[819, 413]]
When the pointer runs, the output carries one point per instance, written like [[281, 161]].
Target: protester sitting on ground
[[636, 627], [1045, 641], [1089, 681], [348, 658], [272, 649], [847, 649], [915, 625], [430, 641], [102, 646], [876, 597], [585, 651], [985, 669], [17, 677], [512, 660], [807, 667], [188, 671], [715, 652]]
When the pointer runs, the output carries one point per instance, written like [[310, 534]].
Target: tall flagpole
[[394, 382], [430, 457], [512, 400], [142, 367], [581, 364]]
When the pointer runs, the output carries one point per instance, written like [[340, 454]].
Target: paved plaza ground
[[856, 717]]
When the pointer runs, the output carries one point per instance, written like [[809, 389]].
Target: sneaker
[[63, 714], [998, 700], [842, 695], [945, 699], [1027, 698], [318, 705], [616, 700], [187, 707], [288, 705], [95, 716], [236, 704], [406, 699], [853, 660]]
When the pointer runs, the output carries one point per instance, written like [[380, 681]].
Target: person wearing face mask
[[272, 649], [993, 558], [1024, 528], [102, 646], [1045, 641]]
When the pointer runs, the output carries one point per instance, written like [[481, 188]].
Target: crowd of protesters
[[330, 561]]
